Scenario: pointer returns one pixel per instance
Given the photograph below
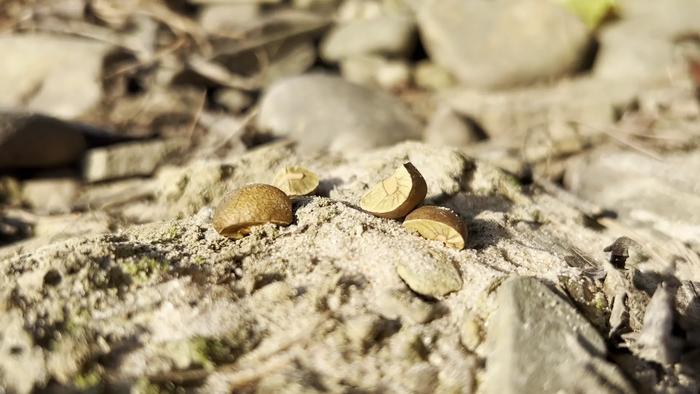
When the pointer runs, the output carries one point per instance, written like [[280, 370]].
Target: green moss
[[600, 302], [88, 379], [199, 260], [142, 269]]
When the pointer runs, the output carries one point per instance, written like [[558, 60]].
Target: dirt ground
[[564, 134]]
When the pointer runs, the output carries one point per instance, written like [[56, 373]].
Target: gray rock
[[448, 128], [128, 159], [587, 104], [640, 47], [320, 112], [538, 343], [432, 278], [491, 44], [659, 194], [384, 35], [656, 341], [51, 195], [25, 140], [51, 74]]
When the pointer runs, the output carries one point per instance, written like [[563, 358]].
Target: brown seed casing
[[397, 195], [296, 181], [437, 223], [249, 206]]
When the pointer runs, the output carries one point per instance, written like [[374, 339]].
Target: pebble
[[392, 35], [502, 43], [335, 114], [25, 136], [429, 277], [128, 159]]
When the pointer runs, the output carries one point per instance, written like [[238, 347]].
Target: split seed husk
[[250, 206], [438, 223], [296, 181], [397, 195]]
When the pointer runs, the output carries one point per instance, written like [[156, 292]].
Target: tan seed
[[296, 181], [250, 206], [439, 224], [397, 195]]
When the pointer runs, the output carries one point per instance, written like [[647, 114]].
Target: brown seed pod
[[296, 181], [437, 223], [397, 195], [250, 206]]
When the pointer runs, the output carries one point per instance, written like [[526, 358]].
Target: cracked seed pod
[[439, 224], [296, 181], [250, 206], [397, 195]]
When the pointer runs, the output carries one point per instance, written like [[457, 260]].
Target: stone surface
[[25, 136], [325, 112], [538, 343], [53, 74], [391, 35], [496, 44], [659, 195], [448, 128], [128, 159], [584, 104], [433, 278], [51, 195]]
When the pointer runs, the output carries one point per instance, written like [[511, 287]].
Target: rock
[[448, 128], [51, 195], [128, 159], [428, 75], [586, 105], [24, 138], [335, 115], [498, 44], [656, 341], [625, 54], [662, 195], [373, 70], [390, 35], [538, 343], [228, 17], [641, 46], [432, 278], [52, 74]]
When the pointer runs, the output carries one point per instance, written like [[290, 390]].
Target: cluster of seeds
[[393, 198], [398, 195]]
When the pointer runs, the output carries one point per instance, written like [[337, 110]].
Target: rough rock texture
[[495, 44], [24, 136], [384, 35], [320, 111], [663, 195], [538, 343], [128, 159]]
